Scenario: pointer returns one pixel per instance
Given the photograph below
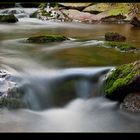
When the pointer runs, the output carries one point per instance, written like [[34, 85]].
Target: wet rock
[[78, 6], [34, 14], [116, 19], [122, 46], [46, 38], [8, 18], [131, 103], [113, 36], [123, 80], [10, 95], [97, 8], [135, 22], [78, 16]]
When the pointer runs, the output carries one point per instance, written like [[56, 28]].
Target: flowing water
[[63, 81]]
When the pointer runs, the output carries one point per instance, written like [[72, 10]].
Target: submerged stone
[[122, 46], [135, 21], [113, 36], [8, 18], [123, 80], [46, 38]]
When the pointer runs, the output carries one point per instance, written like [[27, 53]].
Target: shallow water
[[62, 82]]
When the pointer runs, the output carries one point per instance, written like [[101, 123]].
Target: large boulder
[[97, 8], [8, 18], [123, 80], [10, 95], [75, 15], [78, 6], [113, 36], [46, 38]]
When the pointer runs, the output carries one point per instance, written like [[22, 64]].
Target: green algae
[[123, 46], [46, 38]]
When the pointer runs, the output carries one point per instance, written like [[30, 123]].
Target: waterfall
[[58, 87]]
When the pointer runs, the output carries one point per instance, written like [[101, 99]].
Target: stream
[[63, 81]]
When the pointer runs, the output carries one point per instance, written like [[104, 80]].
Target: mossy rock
[[8, 18], [46, 38], [123, 80], [122, 46]]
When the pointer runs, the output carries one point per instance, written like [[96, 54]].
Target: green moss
[[8, 18], [11, 103], [120, 8], [123, 46], [120, 77], [45, 13], [46, 38]]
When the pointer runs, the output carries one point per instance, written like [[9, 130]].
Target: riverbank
[[88, 12]]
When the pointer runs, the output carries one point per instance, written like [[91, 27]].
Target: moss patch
[[119, 77], [120, 8], [11, 103], [123, 46], [46, 38]]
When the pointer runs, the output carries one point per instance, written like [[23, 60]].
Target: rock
[[117, 12], [116, 19], [131, 103], [34, 15], [122, 46], [135, 22], [75, 15], [123, 80], [97, 8], [10, 95], [78, 6], [113, 36], [8, 18], [46, 38]]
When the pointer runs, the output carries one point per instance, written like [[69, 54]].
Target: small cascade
[[56, 88], [18, 11]]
